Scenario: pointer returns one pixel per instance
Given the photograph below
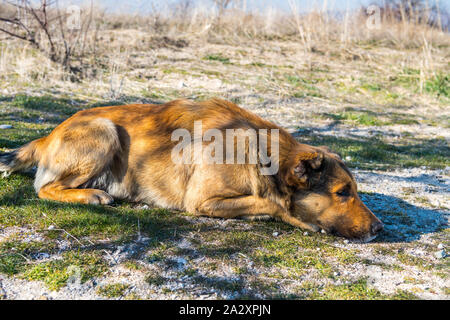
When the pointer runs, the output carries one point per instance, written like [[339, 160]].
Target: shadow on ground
[[404, 222]]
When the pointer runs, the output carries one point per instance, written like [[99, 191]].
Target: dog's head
[[326, 194]]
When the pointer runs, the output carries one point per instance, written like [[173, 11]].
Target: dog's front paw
[[100, 197]]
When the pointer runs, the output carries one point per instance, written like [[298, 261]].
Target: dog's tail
[[23, 158]]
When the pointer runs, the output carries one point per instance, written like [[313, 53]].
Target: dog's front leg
[[233, 207], [222, 207], [286, 217]]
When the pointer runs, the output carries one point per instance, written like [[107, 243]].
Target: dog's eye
[[344, 192]]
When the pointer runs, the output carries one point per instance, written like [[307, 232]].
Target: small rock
[[275, 234], [181, 262], [346, 241], [440, 246], [440, 254], [323, 231], [52, 227], [119, 249], [42, 255], [144, 239], [348, 158], [5, 126], [305, 233]]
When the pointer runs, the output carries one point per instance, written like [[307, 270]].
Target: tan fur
[[125, 152]]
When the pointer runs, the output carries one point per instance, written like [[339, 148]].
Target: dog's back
[[126, 151]]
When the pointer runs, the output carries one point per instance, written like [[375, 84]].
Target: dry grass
[[114, 38]]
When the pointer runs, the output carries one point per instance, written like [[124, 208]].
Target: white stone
[[440, 254]]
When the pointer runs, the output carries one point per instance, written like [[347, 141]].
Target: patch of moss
[[115, 290], [404, 295], [359, 118], [373, 152], [133, 265], [299, 253], [11, 263], [73, 265], [413, 261], [357, 290], [46, 103], [217, 57], [15, 254]]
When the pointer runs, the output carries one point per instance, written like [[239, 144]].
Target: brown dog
[[127, 152]]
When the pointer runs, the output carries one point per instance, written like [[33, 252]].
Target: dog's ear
[[303, 167], [330, 152]]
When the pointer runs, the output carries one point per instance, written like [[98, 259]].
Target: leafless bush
[[63, 34], [415, 12]]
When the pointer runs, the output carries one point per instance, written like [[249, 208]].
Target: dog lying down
[[209, 158]]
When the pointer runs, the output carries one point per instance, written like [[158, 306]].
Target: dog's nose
[[376, 227]]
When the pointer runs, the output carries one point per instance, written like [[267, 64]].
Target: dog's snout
[[376, 227]]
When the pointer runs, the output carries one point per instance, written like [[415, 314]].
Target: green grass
[[365, 117], [414, 261], [47, 103], [155, 279], [11, 263], [439, 85], [357, 290], [15, 254], [115, 290], [304, 87], [373, 152], [217, 57], [56, 273], [360, 118]]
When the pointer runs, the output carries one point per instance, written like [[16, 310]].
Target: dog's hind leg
[[63, 191], [78, 151]]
